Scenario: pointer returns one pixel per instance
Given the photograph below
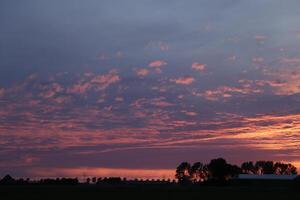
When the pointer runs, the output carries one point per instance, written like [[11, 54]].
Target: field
[[146, 192]]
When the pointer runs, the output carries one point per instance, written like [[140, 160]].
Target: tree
[[291, 169], [88, 180], [283, 168], [234, 171], [248, 168], [265, 167], [7, 180], [220, 170], [199, 172], [94, 180], [183, 173]]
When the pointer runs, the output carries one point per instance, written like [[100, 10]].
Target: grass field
[[146, 192]]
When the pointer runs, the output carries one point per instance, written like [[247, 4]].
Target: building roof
[[266, 177]]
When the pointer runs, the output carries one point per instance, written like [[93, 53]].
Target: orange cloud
[[187, 80], [285, 80], [198, 66], [157, 63], [83, 172]]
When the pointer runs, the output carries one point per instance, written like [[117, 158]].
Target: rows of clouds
[[101, 81]]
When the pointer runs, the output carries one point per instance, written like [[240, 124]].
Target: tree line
[[219, 170]]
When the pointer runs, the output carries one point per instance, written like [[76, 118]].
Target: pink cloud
[[142, 72], [98, 83], [157, 63], [62, 99], [103, 81], [52, 90], [187, 80], [190, 113], [79, 88], [225, 92], [159, 102], [198, 66], [2, 91]]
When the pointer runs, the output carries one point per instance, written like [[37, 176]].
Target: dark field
[[147, 192]]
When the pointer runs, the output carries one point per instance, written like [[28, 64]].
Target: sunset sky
[[132, 88]]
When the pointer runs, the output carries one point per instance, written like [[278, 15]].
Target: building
[[266, 177]]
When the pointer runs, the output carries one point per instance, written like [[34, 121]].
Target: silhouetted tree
[[7, 180], [183, 173], [94, 180], [265, 167], [248, 168], [88, 180], [234, 171], [283, 168], [220, 170], [199, 172]]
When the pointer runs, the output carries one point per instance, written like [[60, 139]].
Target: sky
[[132, 88]]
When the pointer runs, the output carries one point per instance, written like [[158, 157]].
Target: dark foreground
[[146, 192]]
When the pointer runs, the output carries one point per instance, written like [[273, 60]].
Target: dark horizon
[[119, 88]]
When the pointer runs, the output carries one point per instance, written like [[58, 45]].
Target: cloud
[[260, 38], [143, 102], [142, 72], [80, 88], [187, 80], [190, 113], [258, 59], [198, 66], [157, 63], [286, 79], [290, 60], [225, 92], [155, 46], [96, 82], [51, 90], [103, 172], [103, 81], [119, 99], [2, 92]]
